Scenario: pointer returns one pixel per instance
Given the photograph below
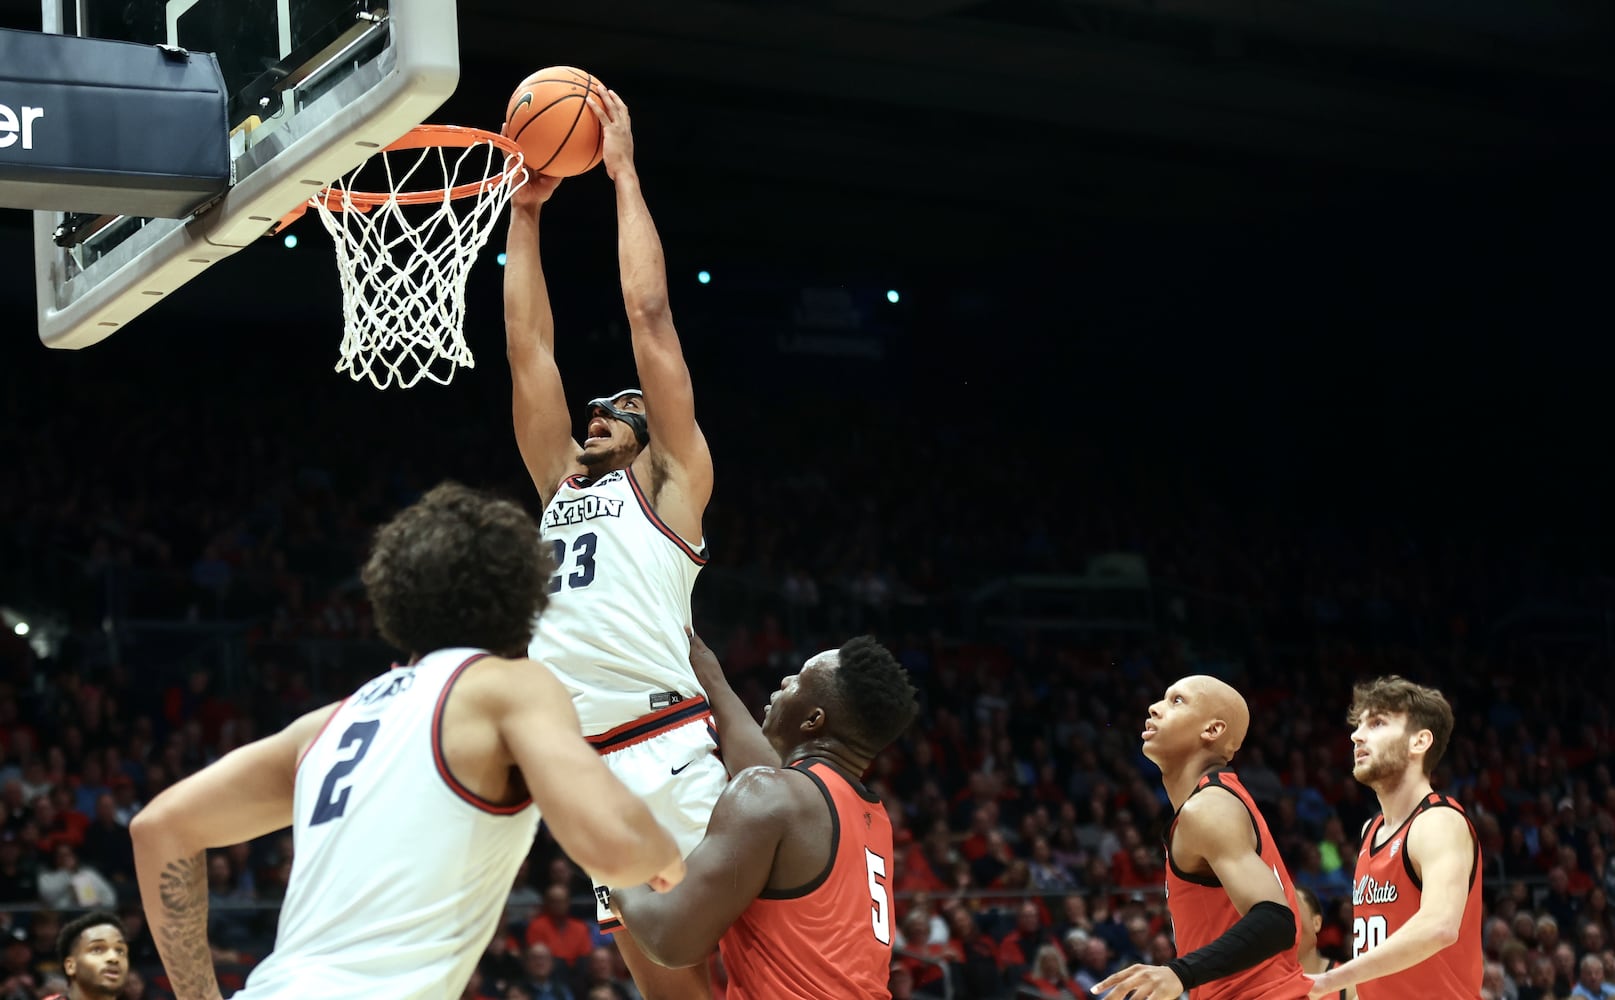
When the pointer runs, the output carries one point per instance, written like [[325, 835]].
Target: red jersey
[[1202, 912], [1386, 895], [831, 939]]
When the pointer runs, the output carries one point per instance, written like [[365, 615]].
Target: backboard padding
[[370, 106]]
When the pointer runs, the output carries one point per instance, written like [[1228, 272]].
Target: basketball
[[549, 118]]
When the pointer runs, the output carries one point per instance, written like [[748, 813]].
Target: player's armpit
[[725, 872], [600, 824]]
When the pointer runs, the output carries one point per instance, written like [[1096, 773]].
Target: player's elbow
[[668, 945], [648, 311], [152, 825], [1444, 934], [630, 853]]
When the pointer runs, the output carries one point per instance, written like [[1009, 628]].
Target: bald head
[[1214, 701]]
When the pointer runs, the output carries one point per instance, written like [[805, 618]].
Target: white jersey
[[400, 873], [614, 629]]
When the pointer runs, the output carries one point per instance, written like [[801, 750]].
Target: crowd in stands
[[1028, 823]]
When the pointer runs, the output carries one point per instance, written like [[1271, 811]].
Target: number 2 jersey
[[1202, 912], [832, 938], [1386, 895], [619, 603], [400, 873]]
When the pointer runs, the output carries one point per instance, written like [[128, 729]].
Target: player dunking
[[794, 875], [1416, 903], [94, 957], [413, 801], [622, 517], [1232, 902]]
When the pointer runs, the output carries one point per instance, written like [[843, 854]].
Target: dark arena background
[[1068, 346]]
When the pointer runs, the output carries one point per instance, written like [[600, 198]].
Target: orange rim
[[422, 137]]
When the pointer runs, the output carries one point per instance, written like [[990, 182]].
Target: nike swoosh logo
[[526, 100], [676, 770]]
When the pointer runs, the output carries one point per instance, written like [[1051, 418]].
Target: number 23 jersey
[[619, 602], [1386, 895], [400, 873]]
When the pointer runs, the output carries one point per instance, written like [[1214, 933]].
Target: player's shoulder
[[1214, 812], [1440, 823], [774, 794], [499, 680], [1213, 800]]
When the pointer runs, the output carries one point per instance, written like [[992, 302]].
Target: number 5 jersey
[[832, 938], [400, 872], [620, 602]]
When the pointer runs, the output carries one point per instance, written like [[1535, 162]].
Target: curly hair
[[874, 695], [68, 938], [458, 568], [1425, 707]]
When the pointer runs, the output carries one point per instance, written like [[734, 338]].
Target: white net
[[404, 265]]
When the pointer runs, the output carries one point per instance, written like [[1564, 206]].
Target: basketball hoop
[[404, 272]]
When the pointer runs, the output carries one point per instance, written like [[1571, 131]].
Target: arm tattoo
[[180, 929]]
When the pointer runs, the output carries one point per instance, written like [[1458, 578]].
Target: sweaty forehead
[[820, 664]]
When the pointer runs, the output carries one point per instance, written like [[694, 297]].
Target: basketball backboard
[[315, 88]]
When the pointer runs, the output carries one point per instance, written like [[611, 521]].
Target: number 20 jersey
[[619, 603], [1386, 895], [400, 873]]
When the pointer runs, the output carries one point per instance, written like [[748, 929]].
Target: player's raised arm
[[723, 874], [658, 358], [744, 744], [1441, 848], [1214, 826], [538, 402], [600, 824], [244, 795]]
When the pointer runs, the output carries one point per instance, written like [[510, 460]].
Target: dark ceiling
[[857, 133]]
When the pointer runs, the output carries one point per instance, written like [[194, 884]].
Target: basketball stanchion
[[408, 225]]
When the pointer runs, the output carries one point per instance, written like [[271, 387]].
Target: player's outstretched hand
[[668, 877], [1320, 986], [536, 191], [704, 662], [1140, 982], [619, 132]]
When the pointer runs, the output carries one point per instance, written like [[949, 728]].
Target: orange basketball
[[549, 118]]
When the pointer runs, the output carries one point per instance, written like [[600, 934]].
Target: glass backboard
[[315, 88]]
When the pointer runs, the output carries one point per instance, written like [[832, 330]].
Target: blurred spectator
[[565, 937], [108, 849], [1590, 985], [19, 874], [541, 978], [1048, 978], [1096, 963], [70, 885], [594, 973]]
